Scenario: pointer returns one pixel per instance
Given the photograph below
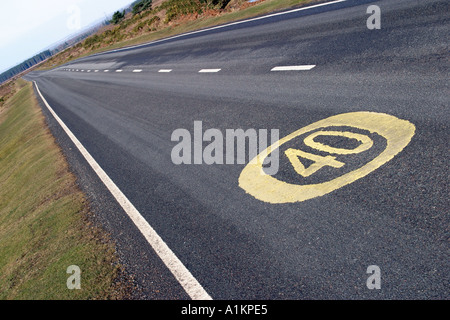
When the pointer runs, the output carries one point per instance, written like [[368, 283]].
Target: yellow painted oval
[[397, 132]]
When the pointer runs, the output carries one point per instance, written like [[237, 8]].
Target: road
[[238, 240]]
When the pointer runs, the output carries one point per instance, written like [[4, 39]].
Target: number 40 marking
[[264, 187], [320, 161]]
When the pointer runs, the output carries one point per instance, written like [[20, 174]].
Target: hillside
[[166, 18]]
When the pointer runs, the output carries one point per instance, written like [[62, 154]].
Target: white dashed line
[[209, 70], [294, 68], [278, 68]]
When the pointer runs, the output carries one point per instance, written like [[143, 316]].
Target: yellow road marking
[[319, 162], [397, 132], [366, 142]]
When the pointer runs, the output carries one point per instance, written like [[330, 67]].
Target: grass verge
[[44, 220]]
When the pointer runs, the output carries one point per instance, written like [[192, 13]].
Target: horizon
[[46, 24]]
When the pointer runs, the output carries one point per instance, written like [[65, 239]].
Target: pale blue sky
[[29, 26]]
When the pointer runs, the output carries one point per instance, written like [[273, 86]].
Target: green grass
[[44, 225]]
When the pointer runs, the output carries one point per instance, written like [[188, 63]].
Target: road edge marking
[[192, 287]]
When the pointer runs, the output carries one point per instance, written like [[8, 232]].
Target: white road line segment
[[181, 273], [294, 68], [209, 70], [165, 70]]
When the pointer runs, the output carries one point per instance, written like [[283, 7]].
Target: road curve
[[321, 66]]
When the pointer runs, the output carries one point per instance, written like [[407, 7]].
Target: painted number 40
[[397, 133]]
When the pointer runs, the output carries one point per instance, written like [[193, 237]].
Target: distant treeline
[[50, 52], [25, 65]]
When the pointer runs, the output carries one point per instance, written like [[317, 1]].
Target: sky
[[30, 26]]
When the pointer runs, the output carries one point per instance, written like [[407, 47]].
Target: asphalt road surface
[[305, 232]]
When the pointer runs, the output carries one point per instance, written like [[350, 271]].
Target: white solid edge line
[[294, 68], [209, 70], [181, 273], [227, 25], [165, 70]]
